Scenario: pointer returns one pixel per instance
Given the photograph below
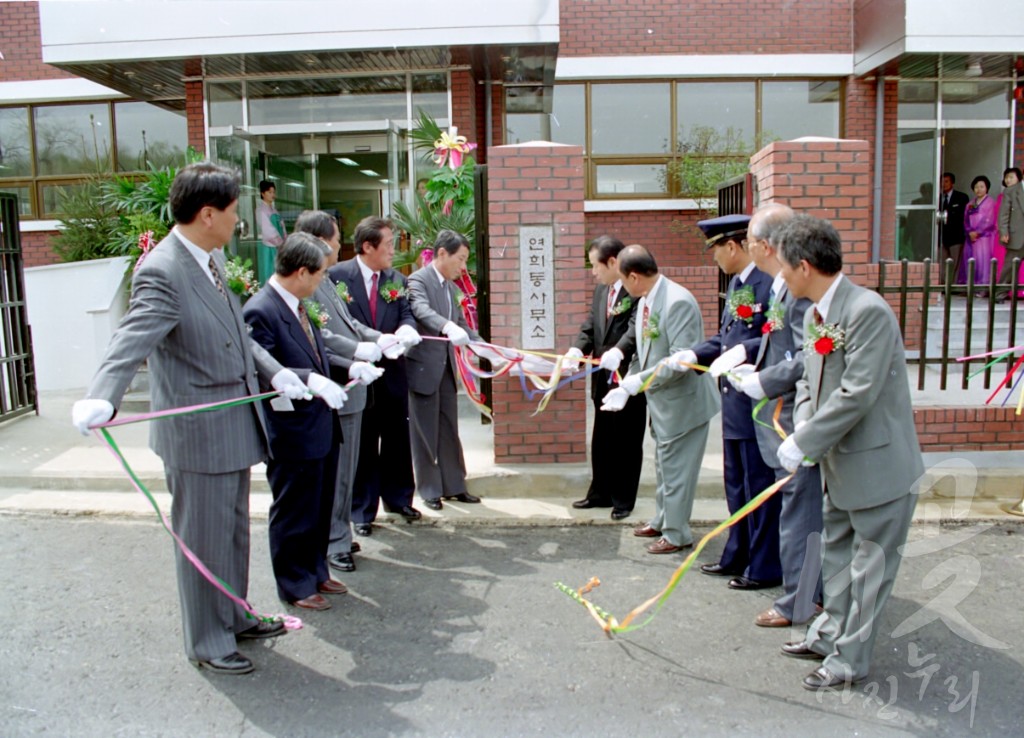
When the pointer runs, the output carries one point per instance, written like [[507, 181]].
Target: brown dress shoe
[[313, 602], [661, 546], [646, 531], [331, 587], [772, 618]]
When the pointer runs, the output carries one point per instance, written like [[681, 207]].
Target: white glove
[[367, 351], [391, 346], [408, 336], [631, 383], [615, 400], [86, 413], [611, 359], [745, 379], [790, 455], [456, 334], [288, 384], [678, 360], [364, 373], [728, 361], [572, 359], [328, 391]]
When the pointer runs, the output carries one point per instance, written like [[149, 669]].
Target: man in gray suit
[[774, 374], [1011, 228], [681, 405], [437, 459], [183, 319], [853, 415]]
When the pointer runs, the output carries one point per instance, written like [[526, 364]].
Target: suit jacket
[[737, 422], [856, 401], [341, 336], [390, 315], [780, 364], [305, 432], [1011, 217], [199, 351], [953, 229], [677, 402], [433, 304], [598, 334]]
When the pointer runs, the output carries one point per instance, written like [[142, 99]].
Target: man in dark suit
[[752, 551], [189, 326], [304, 437], [952, 204], [617, 441], [378, 293], [433, 406], [853, 414], [774, 374]]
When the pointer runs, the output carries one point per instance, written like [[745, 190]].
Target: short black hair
[[952, 177], [982, 178], [635, 259], [810, 239], [300, 250], [606, 247], [199, 185], [369, 229], [450, 241], [266, 184], [317, 223], [1015, 170]]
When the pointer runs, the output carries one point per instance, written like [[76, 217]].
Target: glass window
[[72, 139], [631, 179], [53, 196], [728, 108], [146, 133], [430, 93], [15, 143], [24, 195], [527, 127], [975, 100], [915, 167], [793, 109], [327, 100], [225, 104], [916, 100], [630, 118], [568, 115]]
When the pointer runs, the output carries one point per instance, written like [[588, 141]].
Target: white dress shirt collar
[[440, 277], [201, 256], [777, 284], [367, 275], [746, 272], [825, 303], [648, 299], [290, 300]]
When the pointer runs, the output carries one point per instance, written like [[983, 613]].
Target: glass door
[[916, 198]]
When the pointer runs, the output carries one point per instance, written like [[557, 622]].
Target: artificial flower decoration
[[742, 305], [824, 339], [239, 277], [392, 291], [450, 149], [623, 306], [651, 329], [342, 289], [774, 318], [316, 312], [145, 244]]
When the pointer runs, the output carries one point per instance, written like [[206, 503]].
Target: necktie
[[373, 299], [216, 278], [611, 302], [308, 330], [647, 314], [817, 317]]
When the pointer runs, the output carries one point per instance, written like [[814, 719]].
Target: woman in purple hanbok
[[980, 227]]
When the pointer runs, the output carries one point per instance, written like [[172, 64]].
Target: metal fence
[[17, 369]]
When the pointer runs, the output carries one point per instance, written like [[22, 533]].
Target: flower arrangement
[[316, 312], [239, 276], [146, 242], [652, 329], [774, 318], [342, 289], [624, 305], [742, 305], [824, 338], [392, 291]]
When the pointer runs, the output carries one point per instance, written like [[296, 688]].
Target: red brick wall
[[20, 44], [36, 250], [537, 185], [969, 429], [195, 116], [671, 235], [464, 97], [614, 27], [1018, 143], [889, 145]]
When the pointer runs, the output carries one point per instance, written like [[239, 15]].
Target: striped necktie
[[217, 281]]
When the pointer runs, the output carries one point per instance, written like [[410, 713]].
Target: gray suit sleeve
[[781, 378], [682, 325], [419, 303]]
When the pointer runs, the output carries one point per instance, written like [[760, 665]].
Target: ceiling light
[[346, 161], [973, 69], [369, 172]]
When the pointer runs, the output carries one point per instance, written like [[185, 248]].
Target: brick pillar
[[826, 178], [537, 185], [195, 115]]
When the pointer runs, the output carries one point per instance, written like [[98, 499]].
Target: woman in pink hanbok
[[980, 229]]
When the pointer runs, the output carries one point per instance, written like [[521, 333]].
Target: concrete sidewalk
[[48, 467]]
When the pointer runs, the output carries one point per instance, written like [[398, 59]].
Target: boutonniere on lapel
[[624, 306], [392, 291], [742, 305], [459, 297], [824, 338], [774, 318], [316, 312], [342, 289], [651, 329], [239, 277]]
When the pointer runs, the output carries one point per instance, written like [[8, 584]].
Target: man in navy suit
[[379, 300], [752, 551], [304, 437]]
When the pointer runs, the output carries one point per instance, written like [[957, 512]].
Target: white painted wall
[[73, 310]]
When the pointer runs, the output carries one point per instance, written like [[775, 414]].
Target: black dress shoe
[[586, 503], [409, 512], [822, 678], [745, 583], [717, 570], [233, 663], [364, 529], [356, 548], [463, 497], [621, 514], [262, 630], [800, 650], [341, 562], [433, 504]]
